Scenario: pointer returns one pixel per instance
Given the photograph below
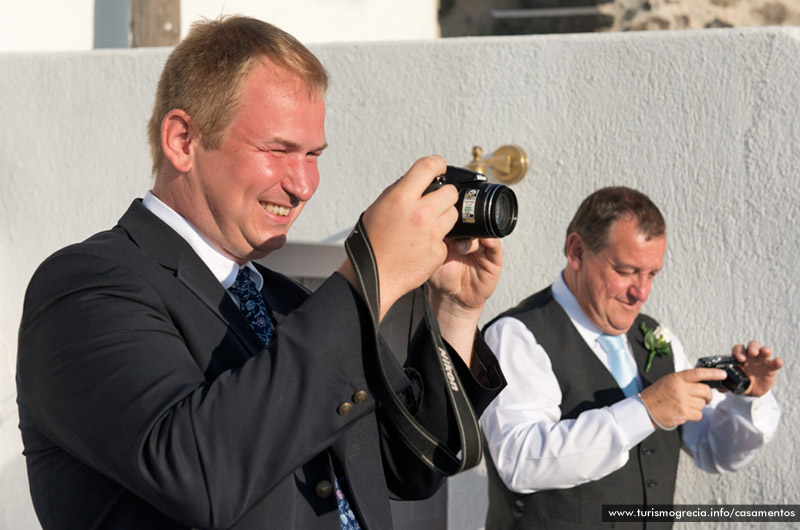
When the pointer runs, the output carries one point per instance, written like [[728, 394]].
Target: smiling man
[[165, 381], [589, 416], [244, 192]]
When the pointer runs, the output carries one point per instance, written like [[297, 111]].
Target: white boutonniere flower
[[657, 343]]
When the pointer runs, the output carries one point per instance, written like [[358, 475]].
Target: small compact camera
[[737, 381], [484, 210]]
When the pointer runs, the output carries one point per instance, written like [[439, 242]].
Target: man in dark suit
[[165, 381], [584, 423]]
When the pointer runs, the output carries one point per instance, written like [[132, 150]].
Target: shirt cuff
[[632, 419], [762, 411], [746, 405]]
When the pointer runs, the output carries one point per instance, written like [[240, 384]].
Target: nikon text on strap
[[425, 446]]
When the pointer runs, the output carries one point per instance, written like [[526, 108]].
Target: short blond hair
[[204, 74]]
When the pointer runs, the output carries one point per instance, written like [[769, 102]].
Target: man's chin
[[271, 244], [623, 325]]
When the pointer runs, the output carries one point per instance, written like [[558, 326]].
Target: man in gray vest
[[600, 398]]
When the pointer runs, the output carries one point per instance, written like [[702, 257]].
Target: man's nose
[[302, 180], [641, 288]]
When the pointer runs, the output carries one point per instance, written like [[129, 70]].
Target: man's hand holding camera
[[407, 230], [407, 225], [461, 286], [760, 367], [681, 396]]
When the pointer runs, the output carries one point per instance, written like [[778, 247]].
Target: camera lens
[[486, 210], [503, 213]]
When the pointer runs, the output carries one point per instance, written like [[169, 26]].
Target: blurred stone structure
[[633, 15], [521, 17], [525, 17]]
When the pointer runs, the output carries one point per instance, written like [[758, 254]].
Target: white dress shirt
[[222, 267], [534, 449]]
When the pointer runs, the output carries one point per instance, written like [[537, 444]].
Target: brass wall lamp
[[508, 164]]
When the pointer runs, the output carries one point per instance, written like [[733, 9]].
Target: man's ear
[[575, 251], [178, 137]]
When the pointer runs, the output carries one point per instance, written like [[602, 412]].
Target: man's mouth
[[631, 305], [280, 211], [626, 303]]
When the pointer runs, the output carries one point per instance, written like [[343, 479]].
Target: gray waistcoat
[[648, 478]]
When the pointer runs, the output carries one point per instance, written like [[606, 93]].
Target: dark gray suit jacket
[[146, 401]]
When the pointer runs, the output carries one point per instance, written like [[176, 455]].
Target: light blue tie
[[619, 363]]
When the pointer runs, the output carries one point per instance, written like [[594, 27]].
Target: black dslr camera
[[484, 210], [737, 381]]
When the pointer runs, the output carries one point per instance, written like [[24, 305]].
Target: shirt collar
[[569, 303], [221, 266]]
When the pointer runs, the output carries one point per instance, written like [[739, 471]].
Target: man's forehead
[[281, 73], [637, 251]]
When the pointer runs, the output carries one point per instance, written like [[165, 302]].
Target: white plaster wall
[[706, 122], [46, 25]]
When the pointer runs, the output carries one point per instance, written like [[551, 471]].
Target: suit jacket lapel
[[280, 293], [172, 252]]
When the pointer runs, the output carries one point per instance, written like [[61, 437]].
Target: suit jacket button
[[360, 396], [345, 408], [651, 483], [323, 489]]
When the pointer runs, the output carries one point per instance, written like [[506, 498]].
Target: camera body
[[484, 209], [737, 381]]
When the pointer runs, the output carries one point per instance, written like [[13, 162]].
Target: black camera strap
[[435, 454]]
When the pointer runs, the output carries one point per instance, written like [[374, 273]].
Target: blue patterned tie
[[252, 305], [255, 310], [347, 519], [619, 364]]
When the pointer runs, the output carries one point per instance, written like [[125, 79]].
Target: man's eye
[[274, 148]]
